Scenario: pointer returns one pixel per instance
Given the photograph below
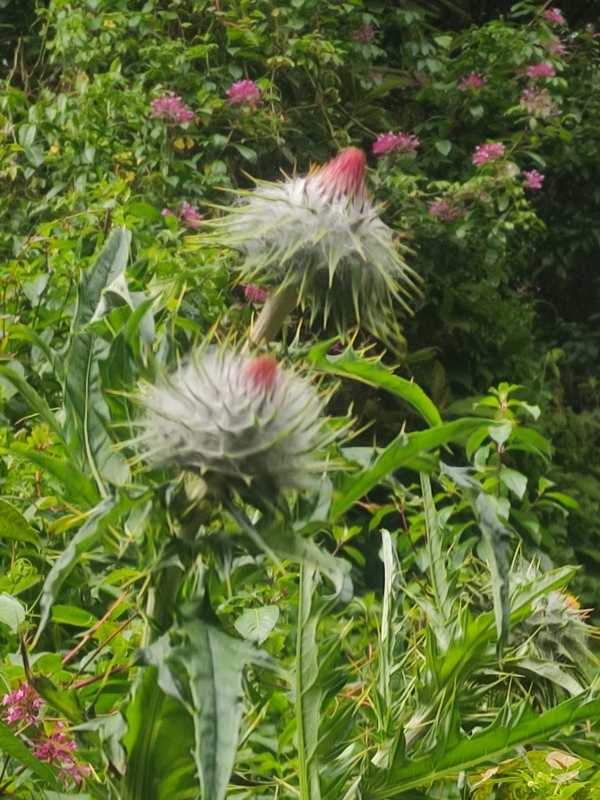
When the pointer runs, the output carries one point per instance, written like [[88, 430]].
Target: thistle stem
[[275, 311]]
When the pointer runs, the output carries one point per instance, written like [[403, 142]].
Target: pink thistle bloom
[[23, 705], [365, 34], [442, 209], [554, 16], [344, 175], [261, 372], [255, 294], [395, 143], [189, 215], [487, 152], [534, 180], [171, 107], [471, 81], [541, 71], [242, 92], [538, 103]]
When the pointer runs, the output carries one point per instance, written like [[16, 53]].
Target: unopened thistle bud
[[229, 414], [321, 235]]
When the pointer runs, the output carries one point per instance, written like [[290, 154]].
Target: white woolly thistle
[[225, 413], [322, 235]]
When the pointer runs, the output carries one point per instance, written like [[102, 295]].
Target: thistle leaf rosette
[[228, 414], [321, 235]]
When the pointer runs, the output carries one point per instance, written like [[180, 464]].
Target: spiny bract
[[321, 234], [235, 415]]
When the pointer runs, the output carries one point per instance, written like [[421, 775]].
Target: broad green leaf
[[86, 538], [11, 745], [33, 399], [159, 743], [352, 365], [486, 746], [87, 414], [12, 613], [214, 664], [13, 525], [255, 624], [79, 489], [62, 700], [398, 454], [71, 615], [515, 481]]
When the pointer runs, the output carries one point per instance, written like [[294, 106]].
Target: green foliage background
[[511, 289]]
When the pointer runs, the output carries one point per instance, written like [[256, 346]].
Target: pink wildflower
[[471, 81], [554, 16], [189, 215], [255, 294], [534, 180], [166, 212], [23, 705], [442, 209], [538, 103], [556, 48], [58, 749], [171, 107], [242, 92], [541, 71], [365, 34], [344, 175], [395, 143], [487, 152]]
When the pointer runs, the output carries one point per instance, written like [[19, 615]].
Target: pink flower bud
[[344, 175]]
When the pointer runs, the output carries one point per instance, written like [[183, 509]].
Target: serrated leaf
[[352, 365]]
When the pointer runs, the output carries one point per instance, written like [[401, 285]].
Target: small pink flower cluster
[[170, 106], [534, 180], [395, 143], [538, 103], [442, 209], [58, 749], [23, 707], [554, 16], [473, 81], [244, 93], [541, 71], [255, 294], [487, 152], [556, 48], [365, 34], [187, 213]]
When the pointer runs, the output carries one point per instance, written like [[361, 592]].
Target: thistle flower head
[[229, 414], [321, 235], [444, 210], [538, 103]]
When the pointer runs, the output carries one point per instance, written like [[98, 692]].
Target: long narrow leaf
[[352, 365], [398, 454]]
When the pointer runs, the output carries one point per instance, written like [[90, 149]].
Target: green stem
[[308, 694], [273, 315]]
